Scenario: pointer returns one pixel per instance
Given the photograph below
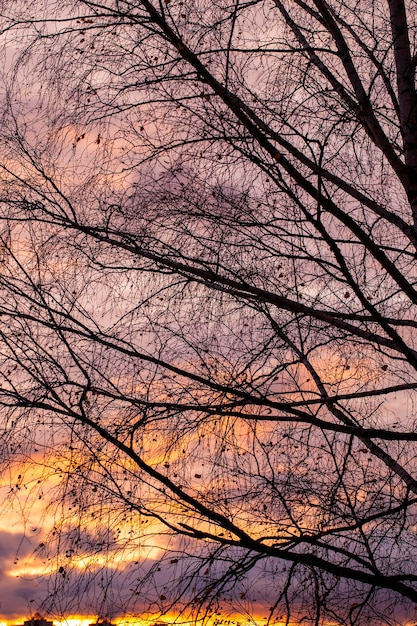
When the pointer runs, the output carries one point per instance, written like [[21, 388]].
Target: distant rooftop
[[36, 620]]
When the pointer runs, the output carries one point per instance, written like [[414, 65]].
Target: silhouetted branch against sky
[[208, 223]]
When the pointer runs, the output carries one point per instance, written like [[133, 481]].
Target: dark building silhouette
[[37, 620]]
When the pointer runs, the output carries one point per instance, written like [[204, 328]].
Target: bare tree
[[208, 300]]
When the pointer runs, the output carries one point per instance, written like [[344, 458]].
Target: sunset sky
[[208, 312]]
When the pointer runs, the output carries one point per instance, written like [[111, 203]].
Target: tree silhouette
[[208, 298]]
